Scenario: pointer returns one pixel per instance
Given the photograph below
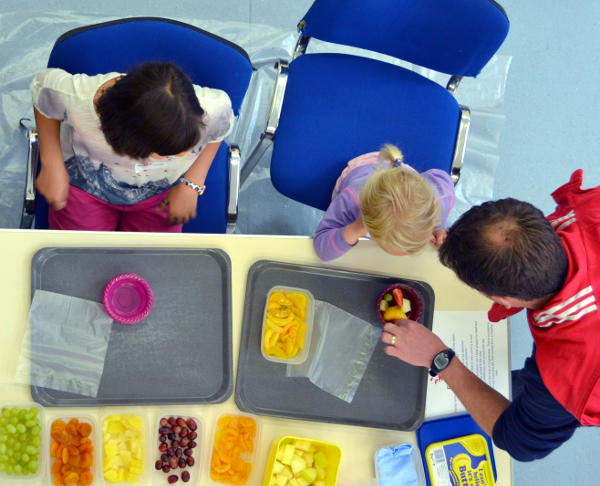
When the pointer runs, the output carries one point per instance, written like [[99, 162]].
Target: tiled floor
[[552, 128]]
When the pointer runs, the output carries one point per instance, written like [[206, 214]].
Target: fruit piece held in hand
[[394, 313]]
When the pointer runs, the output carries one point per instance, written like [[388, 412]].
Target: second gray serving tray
[[391, 394], [181, 353]]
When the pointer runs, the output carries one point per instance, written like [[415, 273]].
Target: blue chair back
[[326, 122], [209, 60], [457, 39]]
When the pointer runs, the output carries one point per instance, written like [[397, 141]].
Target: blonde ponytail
[[390, 153], [398, 206]]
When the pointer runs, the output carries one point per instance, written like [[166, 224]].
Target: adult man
[[508, 251]]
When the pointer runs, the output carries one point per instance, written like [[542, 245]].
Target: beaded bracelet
[[199, 189]]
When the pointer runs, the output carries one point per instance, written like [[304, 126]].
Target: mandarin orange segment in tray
[[71, 453], [232, 449]]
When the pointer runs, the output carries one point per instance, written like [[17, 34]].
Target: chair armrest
[[453, 83], [235, 161], [461, 143], [272, 121], [301, 46], [33, 156], [277, 99]]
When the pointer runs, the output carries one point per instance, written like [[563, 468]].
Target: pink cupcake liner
[[128, 298]]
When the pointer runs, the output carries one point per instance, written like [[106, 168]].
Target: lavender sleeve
[[443, 187], [328, 239]]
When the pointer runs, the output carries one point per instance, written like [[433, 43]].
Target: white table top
[[358, 444]]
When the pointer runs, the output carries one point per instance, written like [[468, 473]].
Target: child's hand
[[53, 183], [438, 237], [181, 201]]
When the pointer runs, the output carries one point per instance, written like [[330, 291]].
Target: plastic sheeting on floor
[[26, 40]]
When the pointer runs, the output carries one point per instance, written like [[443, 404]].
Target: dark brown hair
[[506, 248], [153, 108]]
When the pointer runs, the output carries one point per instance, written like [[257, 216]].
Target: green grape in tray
[[20, 440]]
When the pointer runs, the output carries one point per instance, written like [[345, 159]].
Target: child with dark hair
[[550, 267], [126, 152]]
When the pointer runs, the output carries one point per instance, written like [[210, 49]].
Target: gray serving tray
[[181, 353], [391, 394]]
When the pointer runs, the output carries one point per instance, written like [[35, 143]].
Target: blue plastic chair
[[328, 108], [209, 60]]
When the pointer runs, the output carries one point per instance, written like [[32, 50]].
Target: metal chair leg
[[33, 157]]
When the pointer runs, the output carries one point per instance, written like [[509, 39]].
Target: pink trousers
[[89, 213]]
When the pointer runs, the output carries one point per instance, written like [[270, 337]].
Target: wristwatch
[[441, 361]]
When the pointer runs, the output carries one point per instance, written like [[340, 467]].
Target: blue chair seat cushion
[[331, 98]]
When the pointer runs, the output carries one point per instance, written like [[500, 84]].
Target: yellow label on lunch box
[[464, 461]]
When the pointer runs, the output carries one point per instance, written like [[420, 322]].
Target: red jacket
[[566, 331]]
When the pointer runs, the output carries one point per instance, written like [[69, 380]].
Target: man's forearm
[[483, 402]]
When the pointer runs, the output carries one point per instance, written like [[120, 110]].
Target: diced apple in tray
[[303, 462]]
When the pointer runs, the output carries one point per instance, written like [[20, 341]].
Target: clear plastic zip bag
[[341, 348], [64, 346]]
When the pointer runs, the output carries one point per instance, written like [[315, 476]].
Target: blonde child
[[380, 196]]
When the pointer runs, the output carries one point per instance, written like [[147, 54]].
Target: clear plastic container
[[418, 464], [93, 436], [160, 477], [279, 464], [302, 354], [6, 433], [125, 436], [246, 456]]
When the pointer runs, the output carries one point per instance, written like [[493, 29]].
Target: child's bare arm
[[182, 199], [53, 180]]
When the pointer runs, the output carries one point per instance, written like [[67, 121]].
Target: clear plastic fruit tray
[[55, 457], [192, 460], [19, 432], [248, 456]]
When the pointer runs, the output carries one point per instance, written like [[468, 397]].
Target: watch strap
[[446, 353]]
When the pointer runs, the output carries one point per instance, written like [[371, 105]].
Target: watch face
[[441, 360]]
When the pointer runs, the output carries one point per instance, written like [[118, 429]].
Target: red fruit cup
[[128, 298], [416, 304]]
